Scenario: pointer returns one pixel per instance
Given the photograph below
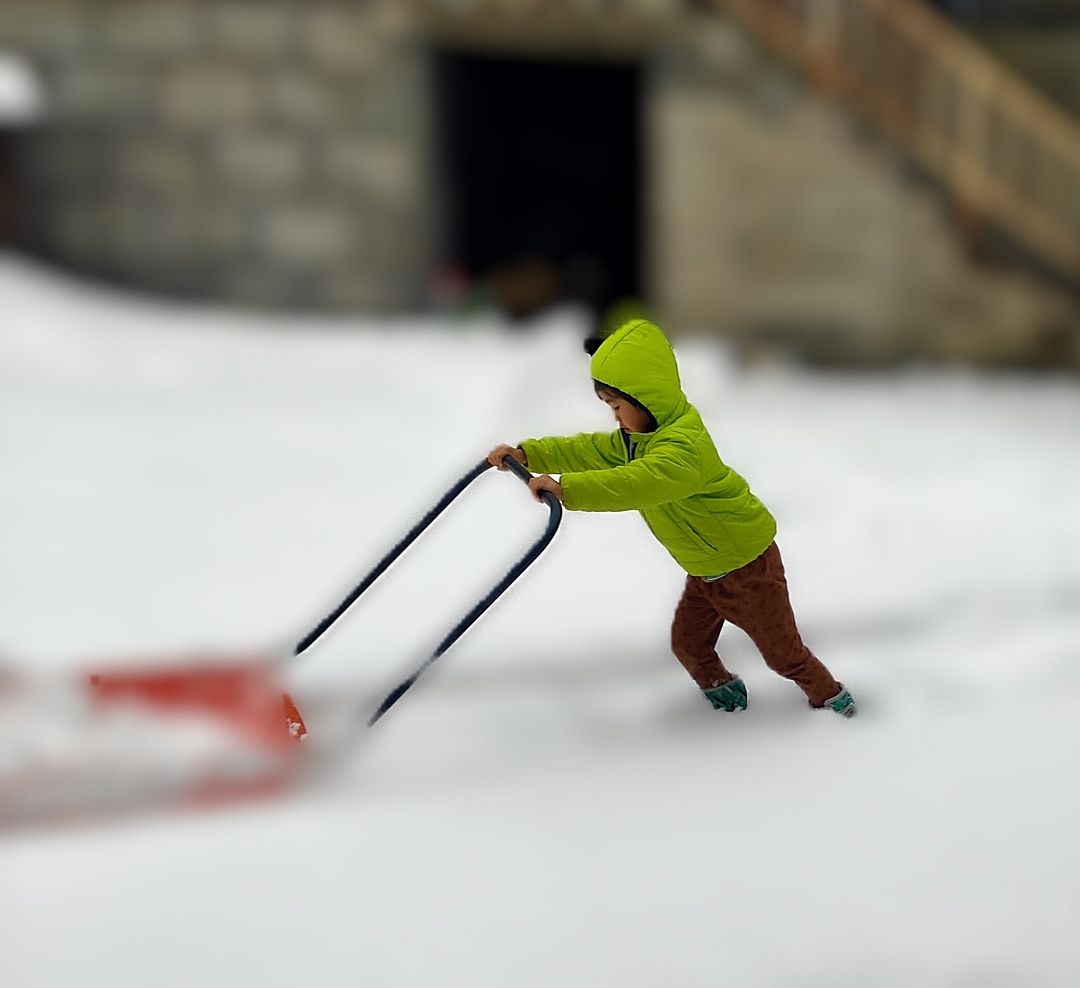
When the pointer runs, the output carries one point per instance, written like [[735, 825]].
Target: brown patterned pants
[[754, 598]]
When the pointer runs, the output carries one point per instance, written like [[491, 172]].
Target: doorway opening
[[540, 163]]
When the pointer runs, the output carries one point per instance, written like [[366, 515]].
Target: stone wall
[[267, 151], [282, 152], [777, 217]]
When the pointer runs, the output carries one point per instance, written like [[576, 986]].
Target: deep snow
[[553, 804]]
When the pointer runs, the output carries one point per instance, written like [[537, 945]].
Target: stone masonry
[[777, 217], [265, 151], [283, 153]]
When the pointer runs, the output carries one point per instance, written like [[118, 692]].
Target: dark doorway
[[541, 174], [7, 189]]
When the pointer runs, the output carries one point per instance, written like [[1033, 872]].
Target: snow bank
[[552, 805]]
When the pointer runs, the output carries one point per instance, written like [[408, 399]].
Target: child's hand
[[545, 483], [495, 457]]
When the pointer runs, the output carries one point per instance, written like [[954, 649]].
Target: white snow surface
[[554, 804], [21, 98]]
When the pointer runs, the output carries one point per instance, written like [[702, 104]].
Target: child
[[662, 463]]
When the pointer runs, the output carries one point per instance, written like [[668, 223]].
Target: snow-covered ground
[[553, 805], [21, 98]]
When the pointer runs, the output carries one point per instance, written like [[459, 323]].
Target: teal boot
[[729, 696], [843, 703]]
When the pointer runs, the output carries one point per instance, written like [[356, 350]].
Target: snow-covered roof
[[21, 98]]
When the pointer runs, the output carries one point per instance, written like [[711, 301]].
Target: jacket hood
[[638, 360]]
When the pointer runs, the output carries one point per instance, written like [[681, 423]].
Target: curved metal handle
[[409, 538], [549, 499], [514, 467], [554, 517]]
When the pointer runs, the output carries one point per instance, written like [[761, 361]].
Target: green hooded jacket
[[700, 509]]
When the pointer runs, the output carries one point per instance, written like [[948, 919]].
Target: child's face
[[629, 417]]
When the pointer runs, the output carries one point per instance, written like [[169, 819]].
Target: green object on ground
[[729, 696], [843, 703]]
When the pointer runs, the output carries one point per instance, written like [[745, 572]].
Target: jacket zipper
[[629, 446]]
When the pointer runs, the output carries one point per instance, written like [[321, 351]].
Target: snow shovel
[[554, 517], [197, 730]]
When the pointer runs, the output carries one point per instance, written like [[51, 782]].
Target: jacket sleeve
[[669, 471], [566, 454]]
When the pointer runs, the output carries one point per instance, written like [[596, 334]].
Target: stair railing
[[1005, 151]]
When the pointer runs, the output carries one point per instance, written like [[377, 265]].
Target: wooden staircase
[[1004, 151]]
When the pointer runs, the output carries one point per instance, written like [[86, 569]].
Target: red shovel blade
[[243, 694], [297, 727], [197, 730]]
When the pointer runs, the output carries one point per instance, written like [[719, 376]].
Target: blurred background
[[274, 273], [861, 182]]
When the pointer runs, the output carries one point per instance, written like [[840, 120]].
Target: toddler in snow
[[662, 463]]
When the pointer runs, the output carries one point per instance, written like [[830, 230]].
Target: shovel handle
[[554, 517], [514, 467], [381, 567]]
